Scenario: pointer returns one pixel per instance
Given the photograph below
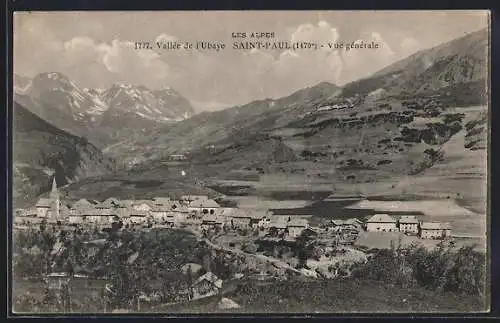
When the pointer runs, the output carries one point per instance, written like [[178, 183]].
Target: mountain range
[[103, 116], [416, 115]]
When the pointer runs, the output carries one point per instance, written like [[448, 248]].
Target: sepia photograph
[[250, 162]]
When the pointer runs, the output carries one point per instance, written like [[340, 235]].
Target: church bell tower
[[54, 196]]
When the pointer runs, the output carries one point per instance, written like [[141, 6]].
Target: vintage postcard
[[250, 162]]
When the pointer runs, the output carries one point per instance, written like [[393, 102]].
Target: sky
[[96, 49]]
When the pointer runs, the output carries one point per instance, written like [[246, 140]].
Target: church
[[49, 207]]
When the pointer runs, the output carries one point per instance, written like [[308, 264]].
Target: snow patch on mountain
[[90, 105]]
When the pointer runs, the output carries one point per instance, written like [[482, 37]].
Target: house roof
[[434, 226], [204, 203], [338, 222], [44, 202], [161, 208], [125, 203], [227, 211], [81, 203], [353, 221], [408, 219], [313, 231], [277, 224], [210, 277], [60, 274], [102, 206], [180, 208], [140, 202], [92, 212], [139, 213], [280, 218], [248, 213], [30, 212], [257, 214], [382, 218], [240, 213], [194, 197], [162, 201], [298, 223], [110, 202], [164, 205], [63, 209], [212, 218]]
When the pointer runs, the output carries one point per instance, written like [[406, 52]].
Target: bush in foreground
[[443, 268]]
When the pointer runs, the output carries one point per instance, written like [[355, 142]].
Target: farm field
[[383, 240]]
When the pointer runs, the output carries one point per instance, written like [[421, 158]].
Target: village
[[259, 236], [206, 215]]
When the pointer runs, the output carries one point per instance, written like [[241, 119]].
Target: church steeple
[[54, 195], [54, 187]]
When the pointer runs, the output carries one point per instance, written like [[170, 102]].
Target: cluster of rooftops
[[408, 219], [209, 213]]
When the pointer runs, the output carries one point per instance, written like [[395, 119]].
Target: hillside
[[444, 68], [41, 150], [224, 127], [388, 128]]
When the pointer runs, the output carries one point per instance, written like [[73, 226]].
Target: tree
[[305, 246], [189, 275]]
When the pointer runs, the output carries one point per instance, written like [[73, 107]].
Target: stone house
[[181, 213], [138, 216], [336, 225], [277, 227], [162, 201], [381, 223], [190, 198], [82, 204], [204, 206], [142, 205], [435, 230], [210, 221], [160, 213], [109, 203], [240, 220], [42, 207], [342, 226], [75, 216], [28, 216], [296, 226], [257, 218], [264, 222], [96, 216], [353, 224], [206, 285]]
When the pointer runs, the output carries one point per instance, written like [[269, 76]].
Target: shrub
[[444, 268], [474, 131], [384, 162]]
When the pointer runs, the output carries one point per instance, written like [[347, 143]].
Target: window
[[205, 211], [212, 211]]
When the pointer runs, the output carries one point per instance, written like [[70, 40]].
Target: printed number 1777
[[143, 45]]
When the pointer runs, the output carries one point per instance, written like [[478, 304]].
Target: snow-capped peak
[[90, 104]]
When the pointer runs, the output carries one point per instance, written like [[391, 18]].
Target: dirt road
[[275, 262]]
